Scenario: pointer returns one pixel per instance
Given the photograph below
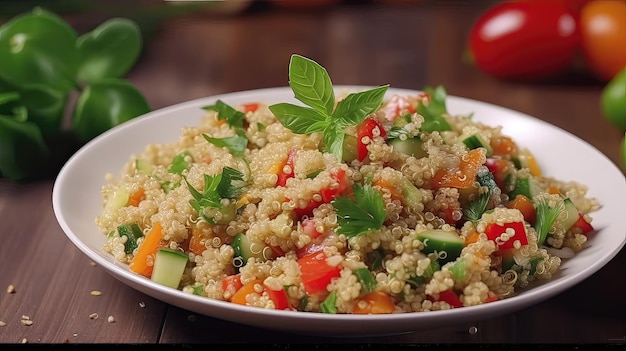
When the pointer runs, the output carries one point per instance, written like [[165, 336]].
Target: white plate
[[76, 201]]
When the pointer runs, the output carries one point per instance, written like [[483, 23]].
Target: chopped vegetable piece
[[508, 235], [376, 302], [143, 262], [462, 176], [329, 305], [447, 245], [525, 206], [450, 297], [368, 283], [317, 273], [251, 287], [366, 131], [169, 266]]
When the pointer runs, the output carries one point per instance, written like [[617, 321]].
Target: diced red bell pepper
[[367, 128], [316, 273], [328, 194], [581, 223], [279, 297], [287, 164], [250, 107], [450, 297], [494, 232]]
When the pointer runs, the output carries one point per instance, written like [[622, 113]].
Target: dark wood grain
[[198, 55]]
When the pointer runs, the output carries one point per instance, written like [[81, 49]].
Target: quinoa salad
[[354, 203]]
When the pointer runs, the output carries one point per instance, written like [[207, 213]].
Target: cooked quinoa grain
[[411, 218]]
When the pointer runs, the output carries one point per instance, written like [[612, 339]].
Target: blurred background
[[193, 49]]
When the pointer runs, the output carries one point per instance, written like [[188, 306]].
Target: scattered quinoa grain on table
[[394, 206]]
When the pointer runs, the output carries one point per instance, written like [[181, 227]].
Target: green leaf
[[179, 163], [22, 148], [356, 106], [106, 104], [311, 84], [233, 117], [545, 218], [300, 120], [39, 48], [333, 140], [45, 105], [236, 144], [365, 214], [329, 305], [109, 50], [226, 185], [433, 113]]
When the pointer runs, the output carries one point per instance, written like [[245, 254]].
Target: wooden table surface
[[202, 54]]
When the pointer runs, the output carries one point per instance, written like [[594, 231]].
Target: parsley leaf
[[366, 213], [311, 85], [235, 144], [433, 112], [226, 185], [233, 117]]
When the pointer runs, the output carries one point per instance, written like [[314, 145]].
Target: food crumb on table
[[93, 316], [11, 289], [110, 319], [2, 323], [96, 293]]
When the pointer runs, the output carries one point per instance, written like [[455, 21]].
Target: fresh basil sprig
[[312, 86]]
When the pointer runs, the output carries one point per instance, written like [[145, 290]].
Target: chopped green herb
[[329, 305], [368, 283], [236, 144], [233, 117], [179, 163], [434, 111], [546, 216], [222, 186], [364, 214]]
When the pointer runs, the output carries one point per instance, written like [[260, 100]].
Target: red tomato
[[603, 37], [526, 40], [317, 273]]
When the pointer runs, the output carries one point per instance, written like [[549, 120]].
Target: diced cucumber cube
[[169, 266], [439, 240], [571, 214], [245, 248]]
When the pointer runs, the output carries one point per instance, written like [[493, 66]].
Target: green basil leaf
[[22, 148], [299, 119], [106, 104], [311, 84], [333, 140], [38, 48], [356, 106], [109, 50]]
